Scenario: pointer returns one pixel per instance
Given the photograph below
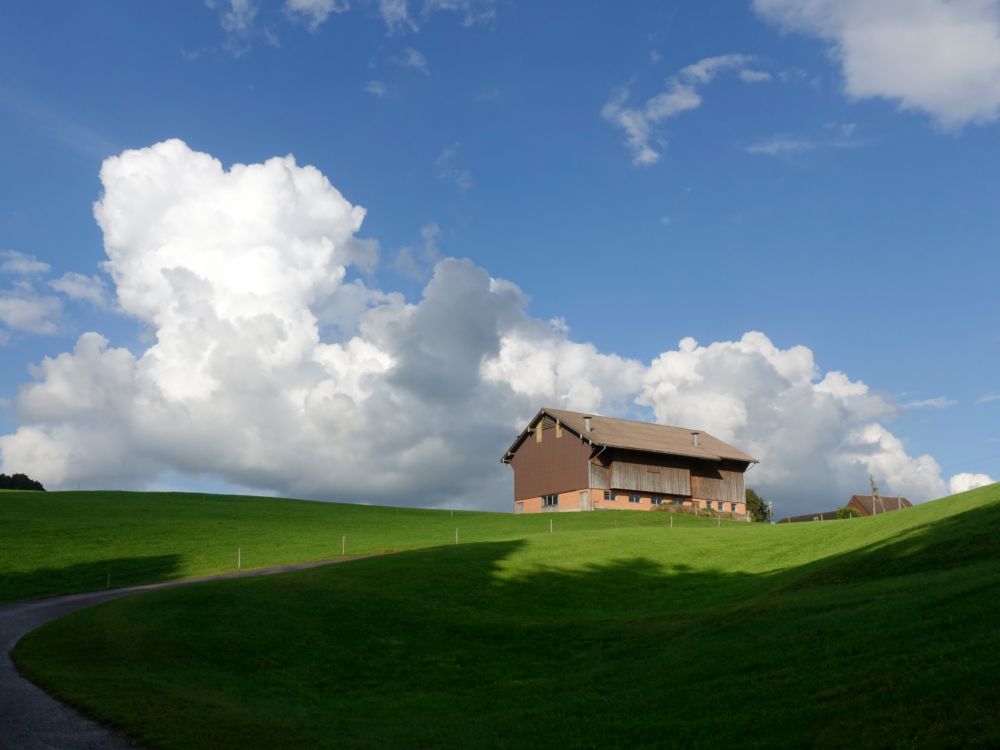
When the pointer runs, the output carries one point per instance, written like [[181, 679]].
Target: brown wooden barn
[[571, 461], [866, 505]]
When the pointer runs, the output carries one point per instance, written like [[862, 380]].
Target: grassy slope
[[868, 632], [61, 542]]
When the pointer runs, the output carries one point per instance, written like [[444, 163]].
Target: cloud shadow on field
[[467, 645], [87, 576]]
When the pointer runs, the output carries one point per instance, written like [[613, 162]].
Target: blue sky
[[808, 189]]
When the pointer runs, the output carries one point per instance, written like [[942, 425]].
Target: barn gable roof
[[886, 504], [640, 436]]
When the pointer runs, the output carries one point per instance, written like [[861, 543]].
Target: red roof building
[[867, 506]]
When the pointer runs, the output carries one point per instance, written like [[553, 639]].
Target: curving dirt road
[[31, 719]]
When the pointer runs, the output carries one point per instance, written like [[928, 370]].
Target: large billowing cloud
[[817, 435], [275, 366], [938, 56]]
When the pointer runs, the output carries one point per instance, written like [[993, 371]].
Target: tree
[[848, 512], [19, 482], [757, 507]]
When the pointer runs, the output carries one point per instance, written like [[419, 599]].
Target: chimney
[[586, 425], [695, 440]]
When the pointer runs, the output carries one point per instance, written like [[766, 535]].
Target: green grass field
[[63, 542], [878, 632]]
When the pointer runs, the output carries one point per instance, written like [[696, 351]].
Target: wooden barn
[[570, 461], [866, 505]]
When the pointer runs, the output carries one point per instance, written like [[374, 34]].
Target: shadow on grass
[[889, 646], [88, 576], [970, 537]]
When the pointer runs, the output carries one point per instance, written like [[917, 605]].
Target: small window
[[633, 498], [608, 495], [656, 500], [549, 501]]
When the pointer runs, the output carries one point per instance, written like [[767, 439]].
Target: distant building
[[865, 505], [571, 461]]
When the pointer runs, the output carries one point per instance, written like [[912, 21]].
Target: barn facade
[[566, 461]]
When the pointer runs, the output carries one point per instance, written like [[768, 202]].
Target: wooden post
[[456, 535], [343, 545], [671, 520], [550, 527], [239, 558]]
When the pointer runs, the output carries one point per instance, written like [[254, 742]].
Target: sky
[[346, 249]]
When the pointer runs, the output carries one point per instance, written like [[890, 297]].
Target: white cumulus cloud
[[274, 366], [817, 435], [965, 481], [941, 57]]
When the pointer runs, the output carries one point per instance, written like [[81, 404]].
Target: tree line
[[19, 482]]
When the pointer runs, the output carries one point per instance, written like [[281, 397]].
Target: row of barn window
[[550, 501]]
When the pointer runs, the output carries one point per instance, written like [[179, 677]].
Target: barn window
[[656, 500], [608, 495], [633, 498], [549, 501]]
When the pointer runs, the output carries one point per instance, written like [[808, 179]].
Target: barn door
[[585, 501]]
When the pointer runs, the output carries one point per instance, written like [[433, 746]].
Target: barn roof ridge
[[631, 434]]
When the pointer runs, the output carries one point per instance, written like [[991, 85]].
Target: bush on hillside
[[19, 482], [689, 510], [848, 512]]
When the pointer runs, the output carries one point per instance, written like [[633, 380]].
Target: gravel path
[[31, 719]]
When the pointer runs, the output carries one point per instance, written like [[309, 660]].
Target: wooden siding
[[600, 477], [667, 480], [717, 484], [552, 466]]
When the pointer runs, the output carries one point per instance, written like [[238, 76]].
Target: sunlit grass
[[61, 542], [863, 633]]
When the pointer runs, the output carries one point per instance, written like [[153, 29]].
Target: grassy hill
[[878, 632], [63, 542]]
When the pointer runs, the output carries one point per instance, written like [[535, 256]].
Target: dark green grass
[[863, 633], [62, 542]]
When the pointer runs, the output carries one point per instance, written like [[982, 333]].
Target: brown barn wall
[[645, 478], [600, 476], [674, 475], [551, 467], [859, 507], [721, 482]]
